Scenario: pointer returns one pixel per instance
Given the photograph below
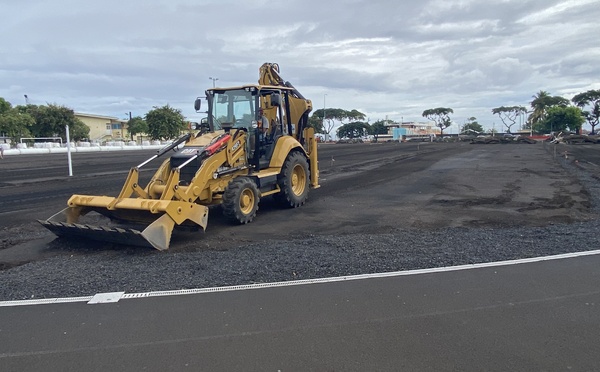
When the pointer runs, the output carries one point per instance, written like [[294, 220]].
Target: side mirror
[[202, 125], [197, 104], [275, 99]]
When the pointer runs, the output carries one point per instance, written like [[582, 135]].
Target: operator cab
[[258, 110]]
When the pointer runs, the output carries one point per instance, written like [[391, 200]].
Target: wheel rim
[[298, 181], [247, 201]]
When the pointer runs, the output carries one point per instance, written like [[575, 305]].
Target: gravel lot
[[470, 204]]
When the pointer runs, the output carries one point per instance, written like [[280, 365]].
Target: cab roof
[[257, 86]]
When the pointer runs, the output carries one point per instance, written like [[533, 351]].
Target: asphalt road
[[539, 316]]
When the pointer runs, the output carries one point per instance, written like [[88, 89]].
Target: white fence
[[56, 148]]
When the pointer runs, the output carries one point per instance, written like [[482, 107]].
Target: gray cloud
[[386, 58]]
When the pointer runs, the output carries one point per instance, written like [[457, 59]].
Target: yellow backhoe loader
[[254, 143]]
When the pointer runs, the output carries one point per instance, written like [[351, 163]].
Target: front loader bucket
[[127, 231], [117, 235]]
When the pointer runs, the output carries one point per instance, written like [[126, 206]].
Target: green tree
[[559, 118], [15, 125], [378, 127], [5, 106], [78, 131], [355, 115], [323, 125], [591, 99], [137, 125], [540, 104], [509, 114], [440, 116], [165, 122], [316, 122], [355, 129], [50, 121], [471, 127]]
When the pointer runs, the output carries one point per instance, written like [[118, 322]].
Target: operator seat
[[271, 139]]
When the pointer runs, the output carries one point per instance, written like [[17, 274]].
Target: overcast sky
[[388, 59]]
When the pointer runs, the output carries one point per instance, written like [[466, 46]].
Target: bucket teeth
[[98, 233]]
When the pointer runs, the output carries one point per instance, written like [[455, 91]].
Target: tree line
[[548, 114], [323, 121], [39, 121], [49, 120]]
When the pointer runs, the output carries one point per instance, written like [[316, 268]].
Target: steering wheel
[[241, 123]]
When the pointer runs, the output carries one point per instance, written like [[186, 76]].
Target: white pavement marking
[[106, 298], [45, 301], [116, 296]]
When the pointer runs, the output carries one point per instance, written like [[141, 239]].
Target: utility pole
[[69, 160], [327, 135], [129, 124], [213, 80]]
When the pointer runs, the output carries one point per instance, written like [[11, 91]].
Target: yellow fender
[[286, 144], [283, 147]]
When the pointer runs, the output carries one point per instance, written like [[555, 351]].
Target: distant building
[[407, 129], [104, 128]]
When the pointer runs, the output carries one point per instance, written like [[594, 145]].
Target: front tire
[[240, 200], [293, 181]]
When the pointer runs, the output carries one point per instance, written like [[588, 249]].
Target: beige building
[[104, 128]]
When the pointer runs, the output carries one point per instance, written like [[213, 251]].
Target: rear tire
[[293, 181], [240, 200]]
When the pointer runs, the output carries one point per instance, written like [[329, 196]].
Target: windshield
[[233, 106]]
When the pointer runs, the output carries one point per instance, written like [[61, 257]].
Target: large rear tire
[[293, 181], [240, 200]]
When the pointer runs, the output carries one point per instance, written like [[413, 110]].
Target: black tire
[[240, 200], [293, 181]]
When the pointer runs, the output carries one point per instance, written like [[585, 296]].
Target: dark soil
[[380, 207]]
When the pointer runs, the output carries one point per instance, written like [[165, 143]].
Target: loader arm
[[162, 204]]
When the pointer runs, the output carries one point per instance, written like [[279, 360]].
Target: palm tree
[[539, 106]]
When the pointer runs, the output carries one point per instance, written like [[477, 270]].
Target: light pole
[[129, 123], [324, 95], [213, 80]]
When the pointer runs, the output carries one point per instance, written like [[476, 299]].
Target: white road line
[[300, 282]]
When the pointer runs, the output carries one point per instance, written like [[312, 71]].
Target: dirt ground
[[365, 188]]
